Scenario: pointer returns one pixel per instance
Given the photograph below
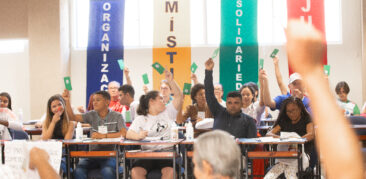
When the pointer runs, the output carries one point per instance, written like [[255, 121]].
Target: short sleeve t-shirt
[[279, 99], [350, 108], [299, 128], [157, 126], [133, 108], [114, 122]]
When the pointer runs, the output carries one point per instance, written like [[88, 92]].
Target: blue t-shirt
[[279, 99]]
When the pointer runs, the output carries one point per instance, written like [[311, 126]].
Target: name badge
[[201, 115], [102, 129]]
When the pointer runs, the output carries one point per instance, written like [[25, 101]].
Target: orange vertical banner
[[171, 44]]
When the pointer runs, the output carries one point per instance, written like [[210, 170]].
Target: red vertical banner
[[311, 11]]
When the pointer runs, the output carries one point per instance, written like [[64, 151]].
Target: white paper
[[205, 124], [17, 153]]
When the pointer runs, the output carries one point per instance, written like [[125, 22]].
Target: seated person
[[126, 95], [293, 117], [113, 92], [100, 117], [8, 119], [251, 107], [216, 156], [296, 89], [350, 108], [57, 124], [155, 120], [198, 110], [38, 160], [229, 119], [219, 92]]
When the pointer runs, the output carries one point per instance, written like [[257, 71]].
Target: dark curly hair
[[195, 89], [282, 116]]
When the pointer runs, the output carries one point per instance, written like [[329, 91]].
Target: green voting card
[[67, 83], [261, 63], [327, 69], [128, 116], [194, 67], [121, 64], [215, 53], [187, 88], [274, 53], [160, 69], [145, 78]]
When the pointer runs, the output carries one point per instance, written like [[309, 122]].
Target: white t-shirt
[[7, 115], [157, 126], [133, 108], [255, 111]]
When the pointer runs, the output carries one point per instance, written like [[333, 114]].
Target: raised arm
[[127, 76], [267, 100], [211, 100], [194, 79], [38, 159], [305, 47], [178, 94], [279, 79], [70, 113]]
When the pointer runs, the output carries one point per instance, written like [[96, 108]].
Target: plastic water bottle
[[174, 133], [79, 131], [189, 131]]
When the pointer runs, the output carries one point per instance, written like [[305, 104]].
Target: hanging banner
[[172, 42], [239, 44], [311, 11], [105, 44]]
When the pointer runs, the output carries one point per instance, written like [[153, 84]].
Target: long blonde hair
[[64, 116]]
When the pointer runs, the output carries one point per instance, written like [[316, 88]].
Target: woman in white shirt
[[155, 120], [7, 118]]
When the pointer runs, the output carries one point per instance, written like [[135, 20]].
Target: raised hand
[[126, 71], [66, 95], [168, 75], [56, 117], [305, 46], [37, 156], [209, 64], [275, 60]]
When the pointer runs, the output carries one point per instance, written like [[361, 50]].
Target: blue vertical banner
[[105, 44]]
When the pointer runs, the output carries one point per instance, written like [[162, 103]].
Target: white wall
[[14, 78]]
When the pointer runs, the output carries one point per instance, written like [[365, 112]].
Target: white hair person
[[216, 155]]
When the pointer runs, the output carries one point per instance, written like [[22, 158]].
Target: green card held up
[[67, 83], [187, 88], [194, 67], [157, 66], [274, 53], [121, 64], [327, 69], [261, 63], [215, 53], [128, 116], [145, 78]]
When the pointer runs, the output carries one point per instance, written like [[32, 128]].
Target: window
[[12, 46], [205, 22]]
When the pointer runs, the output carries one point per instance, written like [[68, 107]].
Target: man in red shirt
[[114, 105]]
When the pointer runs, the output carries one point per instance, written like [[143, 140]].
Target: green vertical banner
[[239, 44]]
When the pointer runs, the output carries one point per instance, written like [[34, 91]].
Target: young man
[[229, 119], [105, 123], [126, 95]]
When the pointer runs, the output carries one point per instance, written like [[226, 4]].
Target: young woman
[[8, 119], [57, 124], [5, 100], [155, 120], [350, 108], [250, 107], [198, 110], [293, 117]]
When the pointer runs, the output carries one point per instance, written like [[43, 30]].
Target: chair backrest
[[18, 135]]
